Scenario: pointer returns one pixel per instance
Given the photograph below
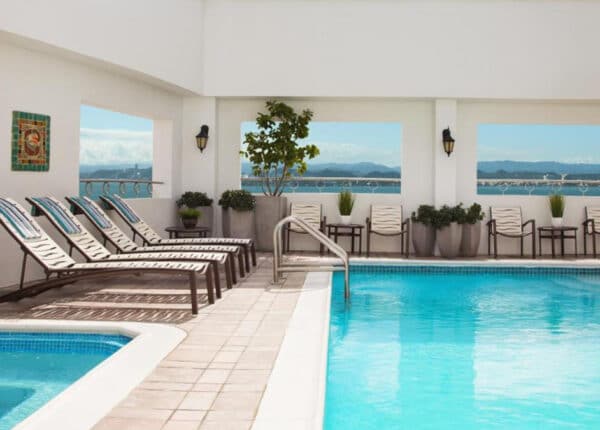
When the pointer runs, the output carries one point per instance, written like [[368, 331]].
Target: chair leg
[[253, 253], [584, 242], [521, 247], [210, 286], [287, 240], [489, 242], [194, 293], [227, 269], [407, 249], [23, 266], [232, 268], [217, 278], [241, 263], [594, 244], [496, 246], [368, 244], [533, 244], [246, 258]]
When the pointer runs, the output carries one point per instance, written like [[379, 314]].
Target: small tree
[[274, 151]]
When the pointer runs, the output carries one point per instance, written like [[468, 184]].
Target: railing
[[311, 184], [279, 267], [544, 186], [137, 187]]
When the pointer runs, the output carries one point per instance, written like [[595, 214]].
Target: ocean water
[[35, 367], [454, 350]]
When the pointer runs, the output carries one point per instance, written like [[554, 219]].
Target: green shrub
[[557, 205], [425, 214], [473, 214], [345, 202], [193, 199], [239, 200], [446, 215], [189, 213]]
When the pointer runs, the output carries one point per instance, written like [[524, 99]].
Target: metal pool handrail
[[279, 267]]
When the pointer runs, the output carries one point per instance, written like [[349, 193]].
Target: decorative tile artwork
[[30, 141]]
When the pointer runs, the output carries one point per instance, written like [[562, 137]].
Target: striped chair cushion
[[119, 204], [309, 213], [15, 217], [386, 219], [508, 220], [93, 212], [59, 214], [593, 213]]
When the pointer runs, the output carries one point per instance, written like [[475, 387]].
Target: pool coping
[[302, 359], [85, 402]]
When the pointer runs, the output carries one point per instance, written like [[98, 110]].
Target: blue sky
[[352, 142], [108, 138], [526, 142]]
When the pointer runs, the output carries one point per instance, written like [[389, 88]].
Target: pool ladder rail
[[279, 266]]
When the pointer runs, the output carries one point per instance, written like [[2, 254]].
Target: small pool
[[465, 348], [35, 367]]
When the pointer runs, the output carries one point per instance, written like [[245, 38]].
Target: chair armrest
[[587, 223], [529, 221]]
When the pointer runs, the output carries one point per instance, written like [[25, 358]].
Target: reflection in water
[[468, 351]]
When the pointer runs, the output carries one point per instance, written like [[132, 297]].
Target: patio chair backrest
[[25, 230], [128, 215], [508, 220], [102, 222], [70, 227], [386, 219], [593, 213], [309, 213]]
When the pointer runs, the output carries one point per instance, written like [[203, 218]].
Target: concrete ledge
[[295, 394]]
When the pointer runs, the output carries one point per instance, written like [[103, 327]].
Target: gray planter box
[[471, 236], [238, 224], [206, 219], [269, 211], [423, 239], [448, 240]]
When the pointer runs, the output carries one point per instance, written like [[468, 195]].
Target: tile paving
[[216, 377]]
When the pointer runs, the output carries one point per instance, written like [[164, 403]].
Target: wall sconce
[[202, 138], [448, 141]]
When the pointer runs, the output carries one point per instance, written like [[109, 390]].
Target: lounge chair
[[385, 220], [312, 214], [124, 245], [152, 238], [55, 261], [591, 227], [92, 250], [508, 222]]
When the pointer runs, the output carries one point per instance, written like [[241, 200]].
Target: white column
[[444, 181], [198, 169]]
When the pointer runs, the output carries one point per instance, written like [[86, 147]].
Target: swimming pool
[[35, 367], [464, 348]]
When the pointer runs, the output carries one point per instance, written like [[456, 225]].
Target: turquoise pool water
[[35, 367], [465, 349]]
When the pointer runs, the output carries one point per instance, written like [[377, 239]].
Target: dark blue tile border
[[474, 269], [63, 343]]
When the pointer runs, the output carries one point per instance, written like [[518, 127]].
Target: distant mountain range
[[362, 169], [536, 170]]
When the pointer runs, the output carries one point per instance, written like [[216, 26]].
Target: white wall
[[470, 114], [408, 48], [416, 118], [35, 82], [159, 38]]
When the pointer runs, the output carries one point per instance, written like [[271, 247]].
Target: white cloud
[[101, 146]]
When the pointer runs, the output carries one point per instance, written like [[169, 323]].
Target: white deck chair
[[310, 213], [591, 227], [61, 269], [386, 220], [508, 222]]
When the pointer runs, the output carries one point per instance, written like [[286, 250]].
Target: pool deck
[[216, 377]]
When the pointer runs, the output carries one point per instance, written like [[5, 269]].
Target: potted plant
[[449, 230], [201, 202], [238, 213], [471, 231], [557, 209], [189, 217], [423, 230], [345, 206], [275, 155]]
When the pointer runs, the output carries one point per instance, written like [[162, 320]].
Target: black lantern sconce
[[448, 141], [202, 138]]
